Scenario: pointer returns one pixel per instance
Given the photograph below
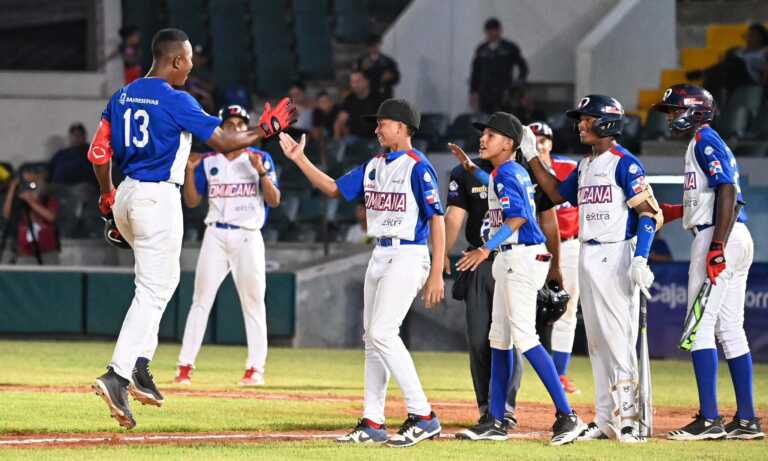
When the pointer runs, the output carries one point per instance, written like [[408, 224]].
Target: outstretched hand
[[292, 149], [462, 157]]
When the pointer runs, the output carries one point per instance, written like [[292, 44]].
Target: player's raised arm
[[272, 121], [295, 153], [546, 180]]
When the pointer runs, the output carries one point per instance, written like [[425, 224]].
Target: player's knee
[[380, 338], [524, 340], [733, 339]]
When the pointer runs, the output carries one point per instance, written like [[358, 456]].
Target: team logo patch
[[667, 94], [709, 150], [499, 187], [267, 165], [483, 195], [427, 177], [504, 202], [372, 175], [214, 171], [638, 185], [431, 197], [583, 103], [612, 110], [123, 97], [634, 168], [715, 167], [453, 186]]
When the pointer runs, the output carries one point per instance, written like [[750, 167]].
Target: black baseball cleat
[[591, 432], [566, 429], [488, 428], [510, 421], [744, 429], [113, 389], [700, 428], [143, 387]]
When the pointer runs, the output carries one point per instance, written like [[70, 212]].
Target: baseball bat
[[644, 362]]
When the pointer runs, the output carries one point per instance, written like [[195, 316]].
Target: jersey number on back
[[142, 117]]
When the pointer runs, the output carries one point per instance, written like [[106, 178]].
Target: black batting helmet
[[234, 110], [607, 110], [552, 301], [541, 129], [113, 236], [697, 103]]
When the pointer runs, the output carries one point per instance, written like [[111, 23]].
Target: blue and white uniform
[[152, 129], [602, 185], [232, 242], [401, 196], [709, 163]]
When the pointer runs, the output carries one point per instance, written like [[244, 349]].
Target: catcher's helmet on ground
[[696, 102], [541, 129], [113, 236], [607, 110], [551, 303]]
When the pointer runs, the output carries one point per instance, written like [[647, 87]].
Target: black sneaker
[[143, 387], [566, 429], [744, 429], [700, 428], [510, 421], [591, 432], [488, 429], [113, 389], [630, 435]]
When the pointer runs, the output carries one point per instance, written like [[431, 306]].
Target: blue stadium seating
[[189, 16], [313, 38], [231, 41], [352, 20]]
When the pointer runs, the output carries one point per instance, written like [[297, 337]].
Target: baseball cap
[[398, 110], [541, 129], [505, 123], [234, 110]]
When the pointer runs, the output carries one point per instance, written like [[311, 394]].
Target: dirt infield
[[535, 420]]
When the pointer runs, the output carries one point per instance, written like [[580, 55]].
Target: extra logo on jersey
[[715, 168], [504, 202], [595, 194], [638, 184], [431, 197], [385, 201], [690, 181]]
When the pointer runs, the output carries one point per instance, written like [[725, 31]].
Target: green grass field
[[26, 408]]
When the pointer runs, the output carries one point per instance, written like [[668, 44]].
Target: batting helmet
[[608, 112], [234, 111], [552, 302], [541, 129], [696, 103], [113, 236]]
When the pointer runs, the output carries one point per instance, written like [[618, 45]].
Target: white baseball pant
[[564, 329]]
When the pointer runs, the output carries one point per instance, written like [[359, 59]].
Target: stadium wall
[[434, 42]]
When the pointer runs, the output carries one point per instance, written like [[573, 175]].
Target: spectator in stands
[[350, 125], [70, 165], [200, 82], [493, 83], [303, 104], [358, 233], [741, 66], [660, 251], [324, 116], [27, 198], [131, 52], [381, 68]]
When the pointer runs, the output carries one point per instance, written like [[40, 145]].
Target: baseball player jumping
[[150, 143], [721, 253], [564, 329], [240, 186], [403, 211], [519, 270], [618, 217]]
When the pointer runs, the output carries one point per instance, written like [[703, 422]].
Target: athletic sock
[[561, 360], [741, 375], [372, 424], [501, 372], [545, 368], [705, 367]]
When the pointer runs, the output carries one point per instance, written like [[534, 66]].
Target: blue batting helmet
[[696, 102], [607, 111]]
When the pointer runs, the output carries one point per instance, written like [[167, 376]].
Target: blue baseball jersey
[[511, 195], [709, 163], [600, 186], [401, 194], [152, 127]]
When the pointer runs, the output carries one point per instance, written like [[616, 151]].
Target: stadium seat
[[230, 41], [759, 127], [272, 41], [352, 24], [656, 125], [144, 14], [751, 150], [631, 134], [432, 129], [313, 39], [749, 97], [733, 122], [420, 145], [345, 212]]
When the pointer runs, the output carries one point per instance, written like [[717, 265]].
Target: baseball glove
[[112, 234], [551, 302]]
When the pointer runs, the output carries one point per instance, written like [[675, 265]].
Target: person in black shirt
[[70, 165], [493, 81], [381, 68], [350, 125], [468, 200]]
